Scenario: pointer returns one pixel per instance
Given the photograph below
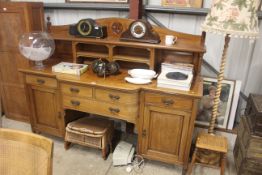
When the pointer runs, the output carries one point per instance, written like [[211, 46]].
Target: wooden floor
[[84, 161]]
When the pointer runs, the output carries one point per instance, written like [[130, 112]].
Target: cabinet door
[[164, 134], [45, 107]]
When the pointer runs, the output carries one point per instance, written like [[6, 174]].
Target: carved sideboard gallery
[[164, 118]]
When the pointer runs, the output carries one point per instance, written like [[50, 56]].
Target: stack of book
[[70, 68], [176, 76]]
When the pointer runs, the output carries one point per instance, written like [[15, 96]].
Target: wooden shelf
[[207, 165], [91, 54], [136, 59]]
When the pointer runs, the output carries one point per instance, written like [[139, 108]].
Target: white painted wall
[[244, 58]]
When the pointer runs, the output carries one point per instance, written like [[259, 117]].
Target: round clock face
[[138, 29], [84, 27]]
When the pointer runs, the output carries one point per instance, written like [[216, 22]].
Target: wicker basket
[[90, 131]]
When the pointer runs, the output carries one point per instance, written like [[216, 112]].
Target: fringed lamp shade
[[237, 18]]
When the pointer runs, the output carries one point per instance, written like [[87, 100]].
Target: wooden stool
[[212, 143], [90, 131]]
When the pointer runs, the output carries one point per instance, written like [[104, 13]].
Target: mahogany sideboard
[[164, 118]]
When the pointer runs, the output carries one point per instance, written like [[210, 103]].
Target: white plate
[[142, 73], [137, 80]]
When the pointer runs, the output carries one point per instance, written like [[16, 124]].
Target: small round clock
[[138, 29], [84, 27]]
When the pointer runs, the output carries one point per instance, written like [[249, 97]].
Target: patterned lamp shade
[[238, 18]]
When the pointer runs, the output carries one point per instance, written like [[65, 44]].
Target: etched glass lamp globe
[[37, 46]]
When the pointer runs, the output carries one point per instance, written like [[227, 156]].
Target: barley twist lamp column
[[231, 18]]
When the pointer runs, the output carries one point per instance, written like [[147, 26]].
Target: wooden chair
[[213, 143], [24, 153], [0, 112]]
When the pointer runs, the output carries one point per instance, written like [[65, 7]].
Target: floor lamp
[[230, 18]]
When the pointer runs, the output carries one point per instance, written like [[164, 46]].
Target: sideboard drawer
[[168, 101], [124, 112], [116, 96], [77, 91], [41, 81]]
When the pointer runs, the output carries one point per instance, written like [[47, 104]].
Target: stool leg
[[189, 171], [111, 147], [223, 163], [67, 145], [104, 153]]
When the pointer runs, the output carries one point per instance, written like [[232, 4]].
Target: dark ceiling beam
[[88, 6], [177, 10]]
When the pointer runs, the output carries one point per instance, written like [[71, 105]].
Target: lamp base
[[39, 65]]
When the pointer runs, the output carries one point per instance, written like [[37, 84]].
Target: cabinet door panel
[[165, 128], [13, 20], [14, 98], [46, 116], [164, 133], [10, 63]]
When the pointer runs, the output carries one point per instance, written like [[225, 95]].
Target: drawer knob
[[168, 102], [74, 90], [114, 110], [114, 97], [40, 81], [75, 103]]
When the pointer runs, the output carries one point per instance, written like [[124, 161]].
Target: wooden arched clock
[[140, 31]]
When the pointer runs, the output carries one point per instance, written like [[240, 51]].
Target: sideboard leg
[[184, 171]]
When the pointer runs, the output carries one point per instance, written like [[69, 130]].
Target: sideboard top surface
[[115, 82]]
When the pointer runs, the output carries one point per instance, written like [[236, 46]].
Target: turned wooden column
[[220, 78]]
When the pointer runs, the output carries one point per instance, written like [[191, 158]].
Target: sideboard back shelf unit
[[188, 48]]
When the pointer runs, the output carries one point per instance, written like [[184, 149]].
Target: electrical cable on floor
[[136, 166]]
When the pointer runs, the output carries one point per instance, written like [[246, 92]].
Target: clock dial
[[84, 27], [138, 29]]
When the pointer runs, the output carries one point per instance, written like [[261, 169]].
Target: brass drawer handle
[[75, 103], [114, 110], [40, 81], [168, 102], [114, 97], [74, 90]]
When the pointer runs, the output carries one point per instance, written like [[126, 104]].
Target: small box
[[70, 68]]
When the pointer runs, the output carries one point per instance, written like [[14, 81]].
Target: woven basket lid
[[90, 125]]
